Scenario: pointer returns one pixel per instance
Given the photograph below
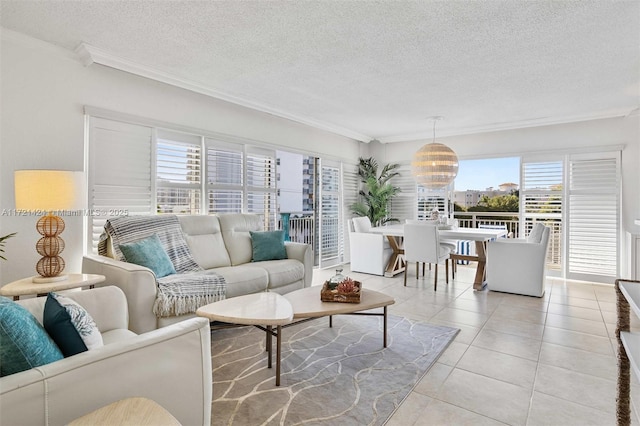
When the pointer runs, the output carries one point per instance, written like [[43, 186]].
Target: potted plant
[[2, 240], [377, 191]]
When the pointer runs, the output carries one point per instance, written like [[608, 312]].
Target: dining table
[[397, 264]]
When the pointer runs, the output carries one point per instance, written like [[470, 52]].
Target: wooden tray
[[327, 295]]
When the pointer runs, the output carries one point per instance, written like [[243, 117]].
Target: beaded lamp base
[[50, 265]]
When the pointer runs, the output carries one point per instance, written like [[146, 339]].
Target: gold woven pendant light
[[435, 165]]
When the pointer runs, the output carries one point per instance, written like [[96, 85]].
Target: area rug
[[330, 376]]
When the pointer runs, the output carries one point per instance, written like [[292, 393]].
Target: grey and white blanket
[[181, 293]]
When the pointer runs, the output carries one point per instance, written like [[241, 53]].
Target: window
[[541, 200], [593, 218], [260, 189], [225, 177], [330, 223], [403, 205], [239, 178], [430, 200], [350, 183], [121, 185], [178, 173], [578, 197]]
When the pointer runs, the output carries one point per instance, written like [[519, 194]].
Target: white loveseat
[[128, 365], [220, 243]]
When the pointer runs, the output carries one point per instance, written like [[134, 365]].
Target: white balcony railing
[[474, 219], [301, 228], [511, 220]]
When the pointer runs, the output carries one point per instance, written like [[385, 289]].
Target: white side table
[[131, 411], [26, 286]]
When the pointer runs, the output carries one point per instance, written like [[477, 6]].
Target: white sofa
[[219, 243], [369, 252], [128, 365], [518, 265]]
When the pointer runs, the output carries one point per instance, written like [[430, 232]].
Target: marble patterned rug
[[330, 376]]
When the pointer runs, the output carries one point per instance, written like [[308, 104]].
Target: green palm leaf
[[2, 242], [377, 191]]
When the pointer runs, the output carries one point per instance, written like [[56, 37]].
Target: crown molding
[[513, 125], [91, 54]]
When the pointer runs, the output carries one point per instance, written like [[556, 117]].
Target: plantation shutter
[[403, 205], [119, 173], [261, 191], [178, 172], [594, 200], [329, 223], [225, 177], [350, 183], [541, 200], [430, 200]]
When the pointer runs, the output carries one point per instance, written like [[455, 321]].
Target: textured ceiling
[[372, 69]]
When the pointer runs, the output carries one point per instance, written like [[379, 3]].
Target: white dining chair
[[422, 244], [369, 252], [452, 245]]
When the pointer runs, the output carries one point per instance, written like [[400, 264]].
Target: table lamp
[[49, 192]]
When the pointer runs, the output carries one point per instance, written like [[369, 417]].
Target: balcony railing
[[301, 228], [474, 219], [512, 222]]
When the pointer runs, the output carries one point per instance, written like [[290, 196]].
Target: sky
[[482, 174]]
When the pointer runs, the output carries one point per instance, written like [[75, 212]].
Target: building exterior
[[472, 197], [296, 174]]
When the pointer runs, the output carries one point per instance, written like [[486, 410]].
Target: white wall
[[43, 91], [612, 132]]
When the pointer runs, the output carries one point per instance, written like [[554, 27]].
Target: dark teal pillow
[[70, 325], [24, 343], [268, 245], [58, 324], [150, 253]]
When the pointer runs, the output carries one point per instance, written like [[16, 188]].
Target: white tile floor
[[517, 360]]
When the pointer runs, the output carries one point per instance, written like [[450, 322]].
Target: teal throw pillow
[[150, 253], [70, 325], [24, 343], [268, 245]]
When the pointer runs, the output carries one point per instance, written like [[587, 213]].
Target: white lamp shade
[[434, 166], [49, 190]]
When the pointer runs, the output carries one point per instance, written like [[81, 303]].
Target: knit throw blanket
[[181, 293]]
